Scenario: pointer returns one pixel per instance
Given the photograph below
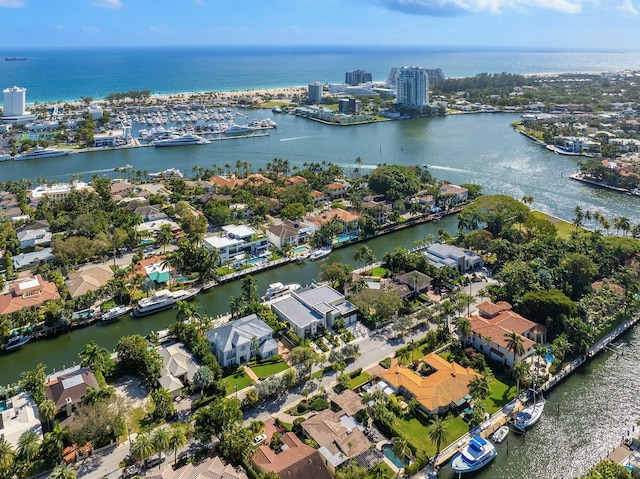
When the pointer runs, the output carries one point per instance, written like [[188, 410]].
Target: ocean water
[[64, 74]]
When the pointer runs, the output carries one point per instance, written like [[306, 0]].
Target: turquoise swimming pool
[[397, 461], [301, 249], [253, 261], [346, 237]]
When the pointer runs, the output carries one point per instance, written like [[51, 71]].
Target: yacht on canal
[[278, 290], [163, 299], [17, 342], [115, 313], [475, 455]]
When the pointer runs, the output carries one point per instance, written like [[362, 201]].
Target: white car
[[259, 439]]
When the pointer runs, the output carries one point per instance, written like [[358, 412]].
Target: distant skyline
[[518, 24]]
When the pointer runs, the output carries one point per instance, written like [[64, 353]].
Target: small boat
[[475, 455], [114, 314], [529, 415], [17, 342], [163, 299], [426, 165], [319, 254], [278, 290], [500, 434]]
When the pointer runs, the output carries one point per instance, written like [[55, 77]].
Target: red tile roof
[[33, 292]]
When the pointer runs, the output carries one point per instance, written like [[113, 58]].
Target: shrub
[[385, 363], [355, 373], [301, 408], [319, 404]]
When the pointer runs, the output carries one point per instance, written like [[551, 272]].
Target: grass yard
[[501, 394], [236, 377], [263, 371], [359, 380], [565, 228], [387, 473], [417, 434]]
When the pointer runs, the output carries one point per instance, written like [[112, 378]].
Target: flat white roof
[[220, 242], [239, 231]]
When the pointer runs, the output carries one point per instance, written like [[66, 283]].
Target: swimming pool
[[253, 261], [549, 358], [386, 450], [301, 249], [3, 405], [346, 237]]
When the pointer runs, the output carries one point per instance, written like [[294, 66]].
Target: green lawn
[[501, 394], [565, 228], [417, 434], [387, 473], [236, 377], [263, 371], [359, 380]]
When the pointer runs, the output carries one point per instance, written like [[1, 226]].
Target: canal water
[[586, 415], [585, 418]]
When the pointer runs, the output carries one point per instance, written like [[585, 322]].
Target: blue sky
[[556, 24]]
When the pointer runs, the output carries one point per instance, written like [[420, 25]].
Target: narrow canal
[[585, 418]]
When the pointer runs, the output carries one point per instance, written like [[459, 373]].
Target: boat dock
[[504, 415]]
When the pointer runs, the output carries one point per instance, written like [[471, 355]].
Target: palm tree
[[514, 343], [519, 371], [186, 311], [63, 472], [463, 327], [401, 449], [28, 447], [177, 440], [235, 305], [438, 433], [161, 439], [47, 411], [479, 387], [561, 346], [95, 357], [249, 288], [7, 455], [142, 447]]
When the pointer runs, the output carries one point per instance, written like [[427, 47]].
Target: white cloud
[[445, 8], [110, 4], [13, 3]]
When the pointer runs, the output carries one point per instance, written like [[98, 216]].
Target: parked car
[[259, 439], [131, 471], [154, 460]]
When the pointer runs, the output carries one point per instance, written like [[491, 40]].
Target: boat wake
[[300, 137], [448, 168], [355, 165]]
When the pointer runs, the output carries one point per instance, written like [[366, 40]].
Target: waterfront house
[[31, 292], [122, 188], [349, 220], [311, 310], [235, 242], [67, 388], [339, 436], [294, 460], [416, 281], [377, 207], [90, 279], [19, 415], [434, 382], [490, 327], [319, 197], [241, 340], [452, 194], [457, 258], [294, 233], [336, 190], [57, 191]]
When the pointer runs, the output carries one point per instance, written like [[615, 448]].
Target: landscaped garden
[[236, 378], [269, 367]]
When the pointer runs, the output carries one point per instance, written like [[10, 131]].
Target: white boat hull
[[529, 415]]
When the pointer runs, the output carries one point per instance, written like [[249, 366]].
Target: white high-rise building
[[14, 101], [412, 85]]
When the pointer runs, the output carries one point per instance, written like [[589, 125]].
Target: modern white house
[[236, 242], [241, 340], [312, 309], [18, 416], [449, 255], [294, 233]]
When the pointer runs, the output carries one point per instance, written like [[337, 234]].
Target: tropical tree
[[47, 411], [400, 448], [479, 387], [63, 471], [463, 327], [186, 311], [96, 358], [28, 447], [561, 346], [161, 439], [519, 371], [249, 288], [438, 433], [7, 454], [142, 447], [204, 378], [364, 255], [514, 343], [177, 440]]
